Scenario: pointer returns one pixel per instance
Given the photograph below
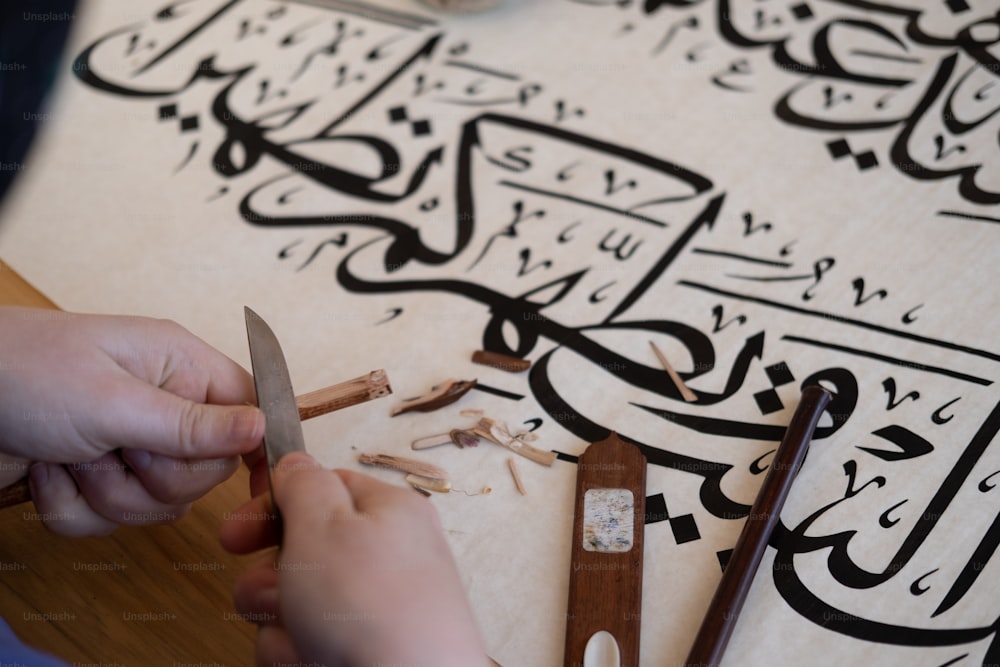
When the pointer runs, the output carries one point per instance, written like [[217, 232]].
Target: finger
[[369, 495], [256, 462], [308, 495], [275, 647], [116, 494], [161, 422], [177, 481], [166, 354], [250, 528], [60, 506], [255, 594]]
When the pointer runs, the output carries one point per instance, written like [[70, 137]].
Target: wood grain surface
[[605, 588]]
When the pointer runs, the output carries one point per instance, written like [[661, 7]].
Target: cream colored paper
[[773, 192]]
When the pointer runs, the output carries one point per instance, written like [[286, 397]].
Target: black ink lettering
[[510, 231], [609, 179], [393, 314], [755, 466], [564, 173], [598, 294], [916, 588], [860, 299], [564, 236], [535, 423], [851, 470], [525, 256], [942, 152], [938, 416], [340, 241], [985, 485], [749, 228], [285, 252], [885, 520], [719, 325], [910, 444], [619, 251], [820, 267], [889, 384]]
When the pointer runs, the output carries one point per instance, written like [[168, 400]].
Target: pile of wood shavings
[[495, 432]]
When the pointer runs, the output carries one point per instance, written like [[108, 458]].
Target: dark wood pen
[[717, 626]]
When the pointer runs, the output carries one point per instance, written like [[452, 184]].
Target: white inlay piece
[[602, 651], [608, 520]]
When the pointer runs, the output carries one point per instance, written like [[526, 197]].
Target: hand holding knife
[[283, 413], [328, 399]]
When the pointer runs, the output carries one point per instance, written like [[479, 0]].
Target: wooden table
[[157, 595]]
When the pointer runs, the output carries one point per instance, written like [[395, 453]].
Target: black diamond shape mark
[[189, 123], [421, 128], [724, 557], [802, 12], [656, 509], [768, 401], [397, 114], [839, 148], [866, 160], [779, 374], [957, 6], [168, 111], [684, 528]]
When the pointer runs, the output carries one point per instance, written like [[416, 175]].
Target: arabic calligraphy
[[435, 171]]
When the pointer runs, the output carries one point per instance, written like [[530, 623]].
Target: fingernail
[[294, 462], [246, 423], [137, 459]]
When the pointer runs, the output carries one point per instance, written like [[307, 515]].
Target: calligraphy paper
[[775, 193]]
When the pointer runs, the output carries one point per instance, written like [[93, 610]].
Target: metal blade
[[283, 428]]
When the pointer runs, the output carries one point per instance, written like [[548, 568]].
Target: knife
[[275, 398]]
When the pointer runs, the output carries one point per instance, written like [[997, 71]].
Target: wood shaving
[[439, 396], [404, 464], [428, 484]]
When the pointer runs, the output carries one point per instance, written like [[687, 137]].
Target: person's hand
[[128, 419], [363, 577]]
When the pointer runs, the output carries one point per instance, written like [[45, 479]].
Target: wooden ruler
[[605, 581]]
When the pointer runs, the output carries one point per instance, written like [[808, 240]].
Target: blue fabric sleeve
[[14, 653]]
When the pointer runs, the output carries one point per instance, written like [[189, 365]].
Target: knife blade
[[275, 397]]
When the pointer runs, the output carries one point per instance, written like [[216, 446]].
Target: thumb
[[308, 495], [161, 422]]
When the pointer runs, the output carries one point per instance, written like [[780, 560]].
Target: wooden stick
[[516, 474], [686, 393], [315, 403], [344, 395], [713, 636]]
